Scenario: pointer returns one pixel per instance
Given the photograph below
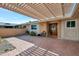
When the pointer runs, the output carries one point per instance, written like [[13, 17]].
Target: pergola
[[44, 11]]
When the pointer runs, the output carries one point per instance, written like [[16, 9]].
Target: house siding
[[36, 31], [69, 33], [63, 31]]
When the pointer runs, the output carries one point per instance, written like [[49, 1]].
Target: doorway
[[53, 30]]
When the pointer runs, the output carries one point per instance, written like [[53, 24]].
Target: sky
[[8, 16]]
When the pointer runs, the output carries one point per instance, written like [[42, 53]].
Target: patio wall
[[5, 32], [43, 26], [70, 33]]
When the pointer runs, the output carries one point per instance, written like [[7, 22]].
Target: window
[[33, 27], [70, 23]]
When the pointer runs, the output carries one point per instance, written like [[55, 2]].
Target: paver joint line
[[37, 52]]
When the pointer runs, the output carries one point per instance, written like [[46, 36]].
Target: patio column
[[43, 27]]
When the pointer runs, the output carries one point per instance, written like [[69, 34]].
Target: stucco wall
[[69, 33], [37, 30], [43, 26], [5, 32]]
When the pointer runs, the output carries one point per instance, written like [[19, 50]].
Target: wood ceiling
[[41, 11], [76, 13]]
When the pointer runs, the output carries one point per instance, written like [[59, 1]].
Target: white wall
[[37, 30], [69, 33]]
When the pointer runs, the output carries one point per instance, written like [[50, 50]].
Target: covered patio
[[54, 18], [67, 41]]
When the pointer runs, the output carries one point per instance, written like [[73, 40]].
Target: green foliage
[[6, 50], [27, 32], [32, 33]]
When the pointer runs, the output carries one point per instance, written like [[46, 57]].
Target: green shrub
[[27, 32], [32, 33], [6, 50]]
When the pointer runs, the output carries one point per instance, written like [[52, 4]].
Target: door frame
[[49, 32]]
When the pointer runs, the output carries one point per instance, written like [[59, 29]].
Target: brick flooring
[[61, 47], [37, 51]]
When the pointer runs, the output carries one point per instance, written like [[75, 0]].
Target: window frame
[[70, 26], [33, 28]]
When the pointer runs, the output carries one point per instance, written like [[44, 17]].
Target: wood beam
[[76, 12], [49, 10], [41, 9], [36, 10], [20, 10], [62, 6], [30, 11], [38, 13]]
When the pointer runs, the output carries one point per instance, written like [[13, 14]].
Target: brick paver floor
[[37, 51], [59, 46]]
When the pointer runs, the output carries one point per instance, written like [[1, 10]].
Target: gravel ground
[[5, 46]]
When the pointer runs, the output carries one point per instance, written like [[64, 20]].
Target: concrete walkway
[[19, 44]]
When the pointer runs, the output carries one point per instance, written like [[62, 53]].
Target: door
[[53, 29]]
